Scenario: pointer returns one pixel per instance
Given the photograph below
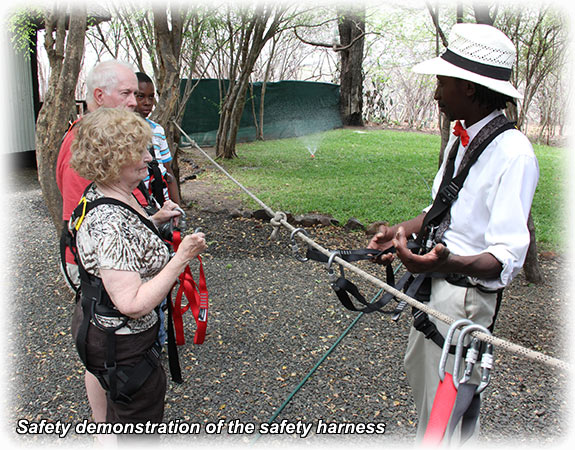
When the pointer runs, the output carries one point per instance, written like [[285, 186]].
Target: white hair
[[104, 75]]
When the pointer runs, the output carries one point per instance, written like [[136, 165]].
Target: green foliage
[[23, 25], [375, 175], [550, 203]]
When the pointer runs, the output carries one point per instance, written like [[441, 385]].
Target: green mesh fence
[[291, 109]]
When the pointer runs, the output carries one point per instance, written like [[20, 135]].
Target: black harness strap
[[450, 186], [121, 382], [346, 255], [157, 182], [345, 290], [66, 243], [447, 194]]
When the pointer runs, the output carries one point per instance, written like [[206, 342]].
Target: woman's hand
[[169, 211], [190, 247]]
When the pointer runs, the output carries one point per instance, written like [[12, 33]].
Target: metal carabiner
[[459, 351], [447, 344], [470, 360], [295, 247], [486, 366], [330, 272], [181, 218]]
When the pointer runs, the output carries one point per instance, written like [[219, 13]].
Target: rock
[[354, 224], [310, 220], [236, 213], [261, 214]]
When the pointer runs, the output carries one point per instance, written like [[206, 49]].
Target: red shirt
[[71, 185]]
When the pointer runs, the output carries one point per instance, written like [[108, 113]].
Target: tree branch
[[335, 47]]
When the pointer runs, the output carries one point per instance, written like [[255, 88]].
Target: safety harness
[[415, 285], [446, 195], [197, 295], [157, 182], [347, 292], [456, 399], [122, 382]]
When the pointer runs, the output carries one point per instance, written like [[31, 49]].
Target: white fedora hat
[[478, 53]]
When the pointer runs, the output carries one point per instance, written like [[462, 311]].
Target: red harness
[[197, 295], [440, 411]]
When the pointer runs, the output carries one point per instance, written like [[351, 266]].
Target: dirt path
[[271, 319]]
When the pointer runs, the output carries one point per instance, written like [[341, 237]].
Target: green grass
[[373, 175]]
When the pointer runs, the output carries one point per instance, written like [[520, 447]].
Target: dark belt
[[421, 320], [458, 279]]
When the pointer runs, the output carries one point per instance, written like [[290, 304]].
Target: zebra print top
[[112, 237]]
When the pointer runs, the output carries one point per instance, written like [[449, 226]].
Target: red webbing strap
[[440, 411], [200, 306], [197, 296]]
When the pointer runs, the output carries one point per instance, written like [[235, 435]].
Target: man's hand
[[382, 241], [430, 262]]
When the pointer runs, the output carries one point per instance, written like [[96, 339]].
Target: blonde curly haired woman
[[117, 243]]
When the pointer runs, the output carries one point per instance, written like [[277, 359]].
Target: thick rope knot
[[276, 222]]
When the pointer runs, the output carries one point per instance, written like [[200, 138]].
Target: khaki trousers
[[423, 355]]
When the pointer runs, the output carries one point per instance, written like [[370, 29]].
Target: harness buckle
[[430, 241], [330, 272], [449, 193], [181, 218], [422, 324], [486, 366]]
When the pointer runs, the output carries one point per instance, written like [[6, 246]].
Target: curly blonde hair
[[107, 140]]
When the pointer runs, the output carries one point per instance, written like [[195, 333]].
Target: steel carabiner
[[472, 358], [295, 247], [447, 344], [181, 218], [330, 272], [486, 366]]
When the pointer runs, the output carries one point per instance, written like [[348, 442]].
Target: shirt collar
[[477, 126]]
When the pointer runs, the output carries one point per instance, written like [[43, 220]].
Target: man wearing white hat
[[482, 240]]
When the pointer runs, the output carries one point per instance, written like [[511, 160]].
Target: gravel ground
[[271, 320]]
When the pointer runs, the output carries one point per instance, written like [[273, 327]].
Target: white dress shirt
[[491, 212]]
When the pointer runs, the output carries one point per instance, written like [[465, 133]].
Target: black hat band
[[498, 73]]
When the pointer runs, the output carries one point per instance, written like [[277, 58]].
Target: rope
[[279, 218]]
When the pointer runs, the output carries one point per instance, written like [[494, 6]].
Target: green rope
[[320, 361]]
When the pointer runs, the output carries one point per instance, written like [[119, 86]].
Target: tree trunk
[[231, 116], [65, 54], [254, 38], [445, 130], [260, 119], [168, 47], [531, 267], [351, 33]]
